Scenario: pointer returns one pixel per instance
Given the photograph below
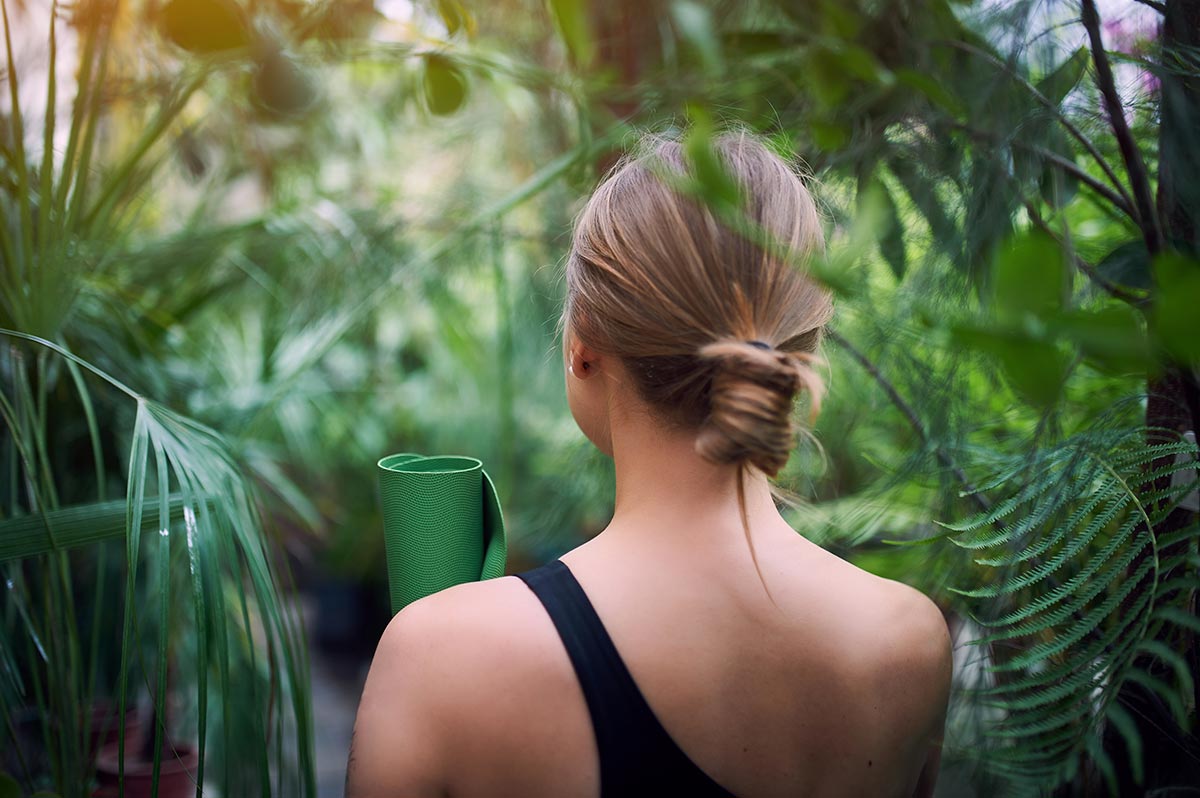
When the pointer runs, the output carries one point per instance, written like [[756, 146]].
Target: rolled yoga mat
[[442, 524]]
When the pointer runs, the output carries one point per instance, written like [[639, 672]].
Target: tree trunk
[[627, 45], [1172, 754]]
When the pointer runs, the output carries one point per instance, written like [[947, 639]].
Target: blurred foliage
[[251, 247]]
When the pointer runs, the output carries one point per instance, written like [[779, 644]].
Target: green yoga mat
[[442, 524]]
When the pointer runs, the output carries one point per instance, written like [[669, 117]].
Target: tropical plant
[[195, 617], [236, 365]]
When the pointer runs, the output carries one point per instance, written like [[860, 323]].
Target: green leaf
[[1123, 723], [205, 27], [1175, 316], [1104, 763], [922, 189], [456, 17], [1128, 264], [991, 201], [1056, 186], [837, 19], [1035, 368], [1174, 659], [1028, 277], [1111, 337], [829, 83], [571, 16], [933, 90], [749, 43], [1179, 617], [282, 86], [892, 234], [712, 180], [9, 788], [889, 229], [1065, 77], [445, 85], [838, 274], [1095, 620], [694, 24], [859, 62], [87, 524], [829, 134]]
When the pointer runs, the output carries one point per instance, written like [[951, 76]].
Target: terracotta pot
[[104, 728], [176, 778], [98, 721]]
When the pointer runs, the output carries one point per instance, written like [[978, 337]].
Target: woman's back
[[839, 691], [773, 666], [835, 689]]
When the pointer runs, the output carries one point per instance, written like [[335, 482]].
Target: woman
[[698, 646]]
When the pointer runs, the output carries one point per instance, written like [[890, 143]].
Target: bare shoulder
[[479, 629], [464, 617], [915, 617], [444, 665], [913, 647]]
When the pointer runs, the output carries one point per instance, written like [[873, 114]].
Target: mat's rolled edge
[[387, 462], [382, 466], [495, 555]]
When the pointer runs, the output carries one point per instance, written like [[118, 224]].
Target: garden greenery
[[249, 246]]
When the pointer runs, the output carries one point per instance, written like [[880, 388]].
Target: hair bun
[[752, 396]]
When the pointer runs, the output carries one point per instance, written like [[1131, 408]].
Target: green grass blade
[[46, 198], [135, 512], [68, 528], [164, 609], [20, 158]]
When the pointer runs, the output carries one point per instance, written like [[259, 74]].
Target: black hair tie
[[760, 345]]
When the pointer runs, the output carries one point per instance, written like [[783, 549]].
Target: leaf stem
[[910, 415], [1087, 269], [46, 197], [113, 381]]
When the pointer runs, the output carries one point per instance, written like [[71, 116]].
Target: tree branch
[[1112, 289], [1067, 124], [1139, 179], [1159, 7], [910, 415], [1069, 167]]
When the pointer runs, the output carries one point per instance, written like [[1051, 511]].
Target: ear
[[582, 359]]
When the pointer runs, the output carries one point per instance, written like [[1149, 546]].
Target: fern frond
[[1096, 575], [1065, 612], [1078, 584], [1041, 547]]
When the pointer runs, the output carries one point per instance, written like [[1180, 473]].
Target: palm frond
[[211, 621]]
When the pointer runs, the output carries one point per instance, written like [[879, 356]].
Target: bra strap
[[620, 715]]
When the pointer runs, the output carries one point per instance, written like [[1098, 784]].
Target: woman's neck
[[666, 490]]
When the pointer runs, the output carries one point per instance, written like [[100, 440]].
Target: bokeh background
[[251, 246]]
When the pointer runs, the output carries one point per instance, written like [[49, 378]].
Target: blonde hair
[[687, 302]]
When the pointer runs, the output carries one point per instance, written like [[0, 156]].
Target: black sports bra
[[637, 756]]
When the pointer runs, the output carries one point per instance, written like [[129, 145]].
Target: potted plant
[[130, 536]]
